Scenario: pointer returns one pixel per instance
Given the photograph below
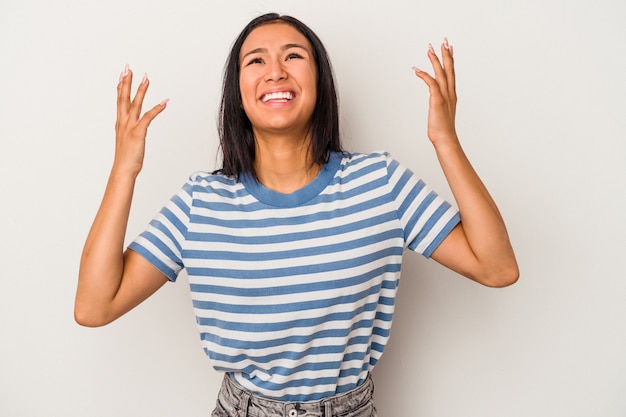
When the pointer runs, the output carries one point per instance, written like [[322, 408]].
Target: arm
[[112, 282], [479, 247]]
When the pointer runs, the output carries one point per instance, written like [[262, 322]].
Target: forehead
[[275, 35]]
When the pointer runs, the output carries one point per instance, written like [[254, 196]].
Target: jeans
[[235, 401]]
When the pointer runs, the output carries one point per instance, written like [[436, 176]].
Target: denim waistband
[[235, 401]]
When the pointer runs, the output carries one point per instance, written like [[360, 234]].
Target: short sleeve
[[162, 241], [426, 217]]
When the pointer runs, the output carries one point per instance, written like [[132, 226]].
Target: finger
[[137, 103], [433, 86], [151, 114], [123, 92], [440, 74], [448, 65]]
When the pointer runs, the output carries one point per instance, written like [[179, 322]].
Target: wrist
[[448, 145], [120, 173]]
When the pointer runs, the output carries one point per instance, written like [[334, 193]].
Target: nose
[[276, 71]]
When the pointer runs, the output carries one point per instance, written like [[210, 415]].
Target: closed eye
[[293, 55], [255, 61]]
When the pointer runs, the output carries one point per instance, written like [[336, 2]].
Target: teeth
[[282, 95]]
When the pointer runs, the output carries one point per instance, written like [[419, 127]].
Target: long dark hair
[[235, 130]]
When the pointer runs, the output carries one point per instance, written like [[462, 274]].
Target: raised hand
[[110, 283], [131, 127], [442, 88], [479, 246]]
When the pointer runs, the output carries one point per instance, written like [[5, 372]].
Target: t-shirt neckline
[[298, 197]]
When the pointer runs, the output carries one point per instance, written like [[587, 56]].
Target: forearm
[[102, 260], [482, 222]]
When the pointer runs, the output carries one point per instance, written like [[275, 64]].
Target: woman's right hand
[[131, 127], [111, 282]]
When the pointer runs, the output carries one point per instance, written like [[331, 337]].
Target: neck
[[283, 164]]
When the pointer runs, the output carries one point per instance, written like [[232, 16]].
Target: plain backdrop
[[541, 116]]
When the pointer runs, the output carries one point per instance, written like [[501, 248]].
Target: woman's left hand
[[479, 246], [442, 88]]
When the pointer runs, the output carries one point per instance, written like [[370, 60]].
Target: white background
[[541, 115]]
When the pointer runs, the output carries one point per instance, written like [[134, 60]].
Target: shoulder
[[359, 160], [379, 161], [208, 186], [210, 181], [208, 178]]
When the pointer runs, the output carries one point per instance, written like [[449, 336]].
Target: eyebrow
[[282, 48]]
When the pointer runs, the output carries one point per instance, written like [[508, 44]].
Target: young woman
[[293, 248]]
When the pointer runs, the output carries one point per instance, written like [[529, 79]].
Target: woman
[[293, 248]]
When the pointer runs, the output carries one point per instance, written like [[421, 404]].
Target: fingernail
[[125, 72], [164, 102], [416, 69], [445, 43], [431, 49], [145, 78]]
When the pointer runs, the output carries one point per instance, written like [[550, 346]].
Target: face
[[278, 80]]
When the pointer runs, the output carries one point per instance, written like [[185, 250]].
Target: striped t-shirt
[[294, 293]]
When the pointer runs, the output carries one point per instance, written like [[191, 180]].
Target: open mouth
[[281, 97]]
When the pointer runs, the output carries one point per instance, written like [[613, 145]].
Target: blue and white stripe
[[294, 294]]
